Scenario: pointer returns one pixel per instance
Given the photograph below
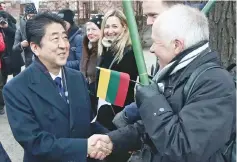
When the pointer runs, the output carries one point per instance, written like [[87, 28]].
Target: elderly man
[[179, 127], [151, 9]]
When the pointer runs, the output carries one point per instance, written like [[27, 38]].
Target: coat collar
[[77, 97], [72, 30], [183, 75], [43, 85], [181, 61]]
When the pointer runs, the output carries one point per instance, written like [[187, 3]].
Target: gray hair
[[184, 23]]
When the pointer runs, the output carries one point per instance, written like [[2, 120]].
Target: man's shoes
[[2, 111]]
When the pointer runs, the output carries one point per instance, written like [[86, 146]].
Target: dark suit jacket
[[47, 127], [3, 155], [126, 65]]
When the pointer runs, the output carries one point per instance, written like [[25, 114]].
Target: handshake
[[99, 146]]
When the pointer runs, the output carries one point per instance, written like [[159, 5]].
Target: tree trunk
[[222, 20]]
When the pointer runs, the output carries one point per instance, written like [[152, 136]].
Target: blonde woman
[[116, 53]]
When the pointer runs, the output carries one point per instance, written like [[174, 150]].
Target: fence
[[84, 9]]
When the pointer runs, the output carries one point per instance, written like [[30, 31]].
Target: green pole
[[208, 6], [136, 43]]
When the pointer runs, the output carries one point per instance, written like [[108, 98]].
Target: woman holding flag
[[115, 53]]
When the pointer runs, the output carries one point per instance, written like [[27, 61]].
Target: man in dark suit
[[48, 104]]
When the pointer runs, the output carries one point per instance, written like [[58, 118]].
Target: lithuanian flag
[[113, 86]]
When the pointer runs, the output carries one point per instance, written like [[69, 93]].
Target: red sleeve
[[2, 43]]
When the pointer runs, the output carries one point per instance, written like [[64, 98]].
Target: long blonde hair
[[122, 41]]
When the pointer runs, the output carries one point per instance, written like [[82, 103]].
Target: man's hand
[[145, 92], [24, 43], [99, 146]]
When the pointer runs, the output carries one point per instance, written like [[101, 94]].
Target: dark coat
[[11, 64], [89, 60], [129, 115], [194, 131], [49, 129], [3, 155], [126, 65], [88, 68], [75, 40], [19, 37], [9, 32], [11, 19]]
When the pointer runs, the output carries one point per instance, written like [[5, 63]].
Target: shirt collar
[[59, 74]]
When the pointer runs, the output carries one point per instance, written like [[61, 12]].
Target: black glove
[[144, 92], [120, 119]]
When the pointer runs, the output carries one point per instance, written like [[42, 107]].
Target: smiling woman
[[89, 55], [115, 53]]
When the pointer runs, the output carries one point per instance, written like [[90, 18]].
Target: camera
[[3, 21]]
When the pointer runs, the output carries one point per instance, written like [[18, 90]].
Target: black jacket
[[126, 65], [9, 33], [19, 37], [3, 155], [192, 132], [48, 128], [75, 53]]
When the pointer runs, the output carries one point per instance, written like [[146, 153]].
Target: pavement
[[13, 149]]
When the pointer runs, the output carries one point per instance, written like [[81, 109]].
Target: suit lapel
[[77, 98], [42, 84]]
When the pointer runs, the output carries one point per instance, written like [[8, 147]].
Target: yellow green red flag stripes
[[113, 86]]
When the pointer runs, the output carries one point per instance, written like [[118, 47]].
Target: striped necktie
[[58, 82]]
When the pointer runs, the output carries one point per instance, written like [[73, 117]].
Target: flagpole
[[208, 6], [138, 52], [130, 79], [136, 43]]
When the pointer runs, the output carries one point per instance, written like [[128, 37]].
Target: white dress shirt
[[55, 76]]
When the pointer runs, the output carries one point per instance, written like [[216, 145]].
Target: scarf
[[179, 62]]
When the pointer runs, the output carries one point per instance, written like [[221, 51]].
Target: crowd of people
[[52, 103]]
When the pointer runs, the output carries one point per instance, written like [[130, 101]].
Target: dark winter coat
[[12, 64], [17, 48], [9, 32], [3, 155], [129, 115], [195, 131], [48, 128], [89, 60], [88, 69], [126, 65], [75, 53]]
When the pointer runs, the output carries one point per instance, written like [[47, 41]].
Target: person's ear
[[35, 48], [125, 27], [178, 46]]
